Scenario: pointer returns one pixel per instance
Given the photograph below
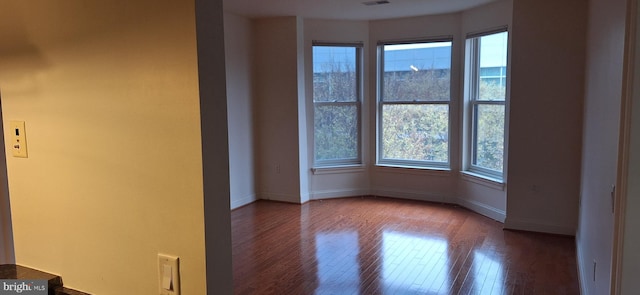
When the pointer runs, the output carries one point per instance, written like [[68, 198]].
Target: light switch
[[168, 275], [18, 137]]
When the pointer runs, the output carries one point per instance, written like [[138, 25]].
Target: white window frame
[[471, 92], [358, 46], [381, 103]]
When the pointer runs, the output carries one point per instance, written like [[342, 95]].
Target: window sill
[[337, 169], [434, 171], [487, 181]]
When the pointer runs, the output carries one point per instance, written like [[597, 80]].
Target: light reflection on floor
[[414, 265], [382, 246], [488, 274], [338, 266]]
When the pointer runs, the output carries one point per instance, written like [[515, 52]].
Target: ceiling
[[347, 9]]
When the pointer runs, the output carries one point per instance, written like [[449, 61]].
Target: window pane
[[415, 132], [489, 137], [334, 73], [493, 67], [417, 72], [336, 132]]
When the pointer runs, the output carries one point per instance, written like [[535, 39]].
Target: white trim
[[381, 102], [295, 199], [338, 169], [471, 86], [334, 194], [410, 194], [483, 209], [305, 198], [239, 202], [487, 181], [582, 276], [395, 169], [629, 94], [358, 103], [538, 226]]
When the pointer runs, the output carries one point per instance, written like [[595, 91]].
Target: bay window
[[414, 95], [336, 104], [486, 90]]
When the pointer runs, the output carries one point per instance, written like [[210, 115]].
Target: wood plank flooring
[[369, 245]]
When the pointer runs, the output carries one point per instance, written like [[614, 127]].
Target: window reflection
[[488, 274], [338, 268], [414, 265]]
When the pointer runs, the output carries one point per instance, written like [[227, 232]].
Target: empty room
[[320, 147]]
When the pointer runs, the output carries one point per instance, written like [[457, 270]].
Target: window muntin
[[413, 106], [487, 85], [336, 104]]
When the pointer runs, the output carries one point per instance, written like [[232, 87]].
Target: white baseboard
[[538, 226], [241, 201], [332, 194], [411, 195], [280, 197], [483, 209]]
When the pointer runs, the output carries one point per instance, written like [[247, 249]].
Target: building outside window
[[486, 90], [336, 104], [414, 96]]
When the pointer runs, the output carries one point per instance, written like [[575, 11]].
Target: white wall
[[547, 70], [276, 103], [239, 60], [604, 65], [215, 147], [109, 93]]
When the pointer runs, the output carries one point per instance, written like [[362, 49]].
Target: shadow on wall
[[7, 255], [20, 63], [20, 58]]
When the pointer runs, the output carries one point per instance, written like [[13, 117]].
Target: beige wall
[[109, 94], [547, 73]]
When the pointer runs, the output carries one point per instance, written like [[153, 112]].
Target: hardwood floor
[[369, 245]]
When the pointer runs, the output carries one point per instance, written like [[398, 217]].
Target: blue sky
[[417, 56]]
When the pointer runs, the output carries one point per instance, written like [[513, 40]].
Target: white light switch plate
[[18, 143], [168, 275]]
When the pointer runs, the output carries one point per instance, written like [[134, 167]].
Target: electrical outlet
[[168, 275], [278, 168]]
